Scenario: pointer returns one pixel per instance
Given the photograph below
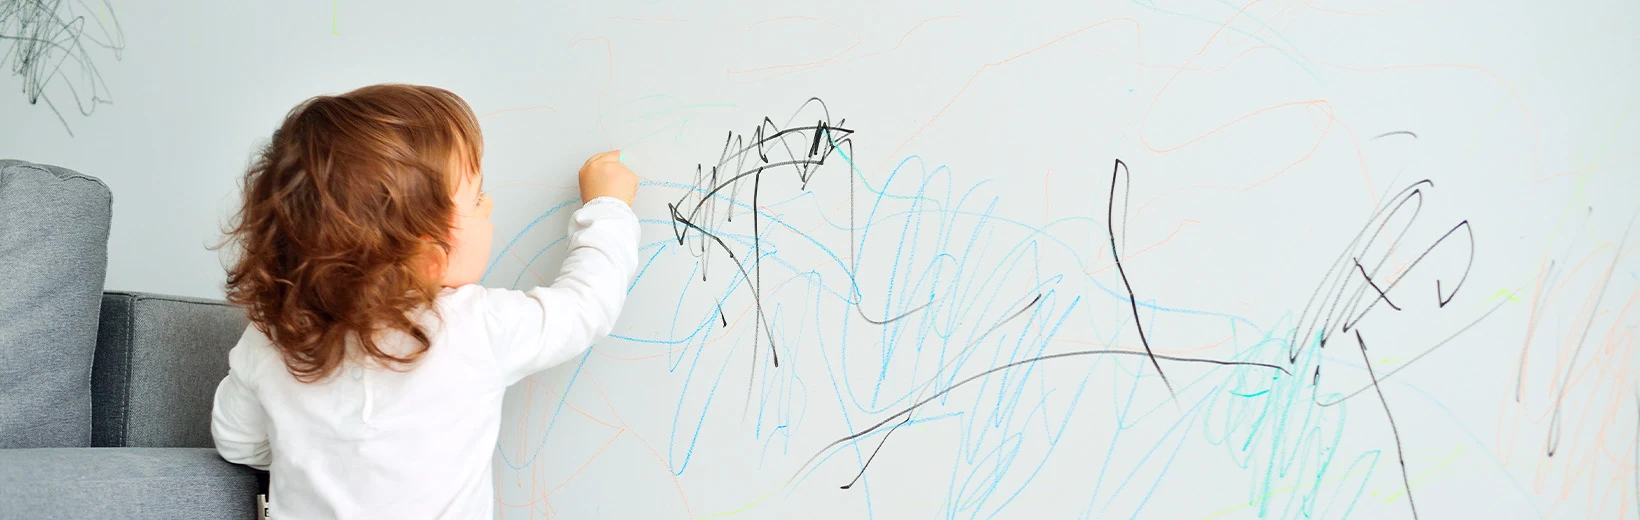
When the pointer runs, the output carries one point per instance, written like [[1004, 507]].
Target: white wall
[[984, 136]]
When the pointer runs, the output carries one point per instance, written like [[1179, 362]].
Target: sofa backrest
[[53, 258], [159, 360]]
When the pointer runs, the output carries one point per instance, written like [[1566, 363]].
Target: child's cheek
[[487, 239]]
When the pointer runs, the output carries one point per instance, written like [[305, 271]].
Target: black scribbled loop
[[697, 210], [44, 43], [1334, 282], [1342, 300], [1443, 300], [712, 186], [1347, 305]]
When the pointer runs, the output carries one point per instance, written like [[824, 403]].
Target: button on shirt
[[370, 442]]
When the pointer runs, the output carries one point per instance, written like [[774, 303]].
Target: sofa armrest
[[124, 483], [159, 359]]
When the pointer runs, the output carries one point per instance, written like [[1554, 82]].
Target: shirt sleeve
[[533, 330], [239, 424]]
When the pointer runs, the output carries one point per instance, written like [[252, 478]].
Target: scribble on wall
[[836, 335], [718, 214], [732, 172], [51, 46]]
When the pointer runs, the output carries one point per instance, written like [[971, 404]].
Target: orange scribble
[[652, 451], [1513, 93], [790, 68], [1170, 236], [975, 76], [908, 34], [1605, 373], [527, 268], [609, 81]]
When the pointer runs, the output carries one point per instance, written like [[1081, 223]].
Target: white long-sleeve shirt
[[369, 442]]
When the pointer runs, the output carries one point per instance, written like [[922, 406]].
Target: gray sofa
[[105, 397]]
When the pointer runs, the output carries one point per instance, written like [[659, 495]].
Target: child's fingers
[[612, 155]]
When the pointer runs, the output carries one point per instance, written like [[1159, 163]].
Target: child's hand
[[603, 175]]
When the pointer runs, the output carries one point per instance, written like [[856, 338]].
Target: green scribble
[[1366, 471], [1420, 477], [1506, 294], [740, 509]]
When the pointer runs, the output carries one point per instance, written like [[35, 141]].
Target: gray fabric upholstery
[[159, 360], [124, 483], [80, 367], [53, 257]]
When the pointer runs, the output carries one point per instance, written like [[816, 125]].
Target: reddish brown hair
[[342, 210]]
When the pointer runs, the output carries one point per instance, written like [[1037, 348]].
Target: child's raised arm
[[533, 330]]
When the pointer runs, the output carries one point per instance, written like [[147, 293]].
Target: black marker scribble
[[1415, 359], [1471, 233], [747, 158], [43, 41], [904, 416], [1374, 286], [873, 456], [1399, 455], [1340, 300], [922, 389], [923, 398], [893, 319], [1110, 223], [1079, 353]]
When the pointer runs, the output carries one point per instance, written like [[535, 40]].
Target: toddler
[[370, 380]]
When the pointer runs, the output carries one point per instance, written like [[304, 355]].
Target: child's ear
[[433, 260]]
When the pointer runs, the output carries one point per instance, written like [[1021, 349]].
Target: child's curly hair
[[343, 209]]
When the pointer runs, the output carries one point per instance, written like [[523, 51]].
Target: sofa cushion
[[53, 256], [159, 359], [124, 483]]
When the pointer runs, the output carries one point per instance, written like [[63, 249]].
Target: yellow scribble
[[1420, 477]]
